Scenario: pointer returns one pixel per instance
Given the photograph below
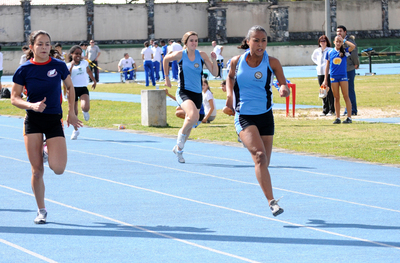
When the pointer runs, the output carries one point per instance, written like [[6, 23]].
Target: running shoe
[[45, 153], [86, 115], [74, 135], [337, 121], [275, 208], [41, 217], [182, 138], [178, 154], [348, 120]]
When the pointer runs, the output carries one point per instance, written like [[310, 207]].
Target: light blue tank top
[[190, 72], [253, 86]]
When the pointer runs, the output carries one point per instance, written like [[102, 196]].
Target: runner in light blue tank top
[[189, 92], [190, 72], [253, 89], [249, 83]]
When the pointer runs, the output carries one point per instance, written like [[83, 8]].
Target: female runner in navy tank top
[[249, 95], [189, 92]]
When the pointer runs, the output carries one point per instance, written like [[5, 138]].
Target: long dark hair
[[253, 29], [32, 39], [72, 50]]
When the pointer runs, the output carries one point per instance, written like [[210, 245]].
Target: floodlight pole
[[328, 19]]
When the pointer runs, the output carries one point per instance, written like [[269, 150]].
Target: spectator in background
[[223, 85], [93, 53], [208, 103], [58, 47], [147, 56], [318, 57], [353, 63], [157, 57], [127, 66], [174, 47], [1, 67], [336, 66], [220, 59], [164, 53], [84, 46], [25, 49]]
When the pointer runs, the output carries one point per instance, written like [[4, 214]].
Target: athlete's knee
[[37, 172], [58, 169], [261, 157]]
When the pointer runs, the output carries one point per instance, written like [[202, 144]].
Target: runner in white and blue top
[[249, 82], [189, 92]]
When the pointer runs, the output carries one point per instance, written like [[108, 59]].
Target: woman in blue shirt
[[189, 92], [249, 95], [42, 75], [336, 66]]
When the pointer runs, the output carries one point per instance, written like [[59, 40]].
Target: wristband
[[344, 41]]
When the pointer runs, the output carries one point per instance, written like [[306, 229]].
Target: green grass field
[[372, 142]]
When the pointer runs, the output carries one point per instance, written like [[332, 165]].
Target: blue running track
[[125, 198]]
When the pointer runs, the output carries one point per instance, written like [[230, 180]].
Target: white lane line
[[219, 177], [134, 226], [236, 161], [248, 162], [27, 251], [202, 203]]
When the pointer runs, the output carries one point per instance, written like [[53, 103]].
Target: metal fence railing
[[381, 58]]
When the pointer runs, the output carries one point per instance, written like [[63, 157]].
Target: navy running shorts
[[182, 95], [264, 122], [79, 91], [47, 124]]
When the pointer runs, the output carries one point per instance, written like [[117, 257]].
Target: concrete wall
[[310, 16], [119, 22], [173, 20], [11, 24], [129, 22], [62, 22], [241, 16], [394, 14]]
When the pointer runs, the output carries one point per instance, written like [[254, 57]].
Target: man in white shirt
[[157, 56], [127, 64], [1, 67], [220, 59], [174, 47]]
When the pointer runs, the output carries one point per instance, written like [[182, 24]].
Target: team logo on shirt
[[337, 61], [52, 73], [258, 75], [196, 65]]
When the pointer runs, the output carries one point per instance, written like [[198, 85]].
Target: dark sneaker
[[348, 120], [337, 121], [275, 208]]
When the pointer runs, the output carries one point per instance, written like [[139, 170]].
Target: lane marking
[[27, 251], [218, 177], [202, 203], [136, 227]]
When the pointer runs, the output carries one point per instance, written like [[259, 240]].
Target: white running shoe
[[182, 138], [275, 208], [178, 154], [74, 135], [41, 217], [45, 153], [86, 115]]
